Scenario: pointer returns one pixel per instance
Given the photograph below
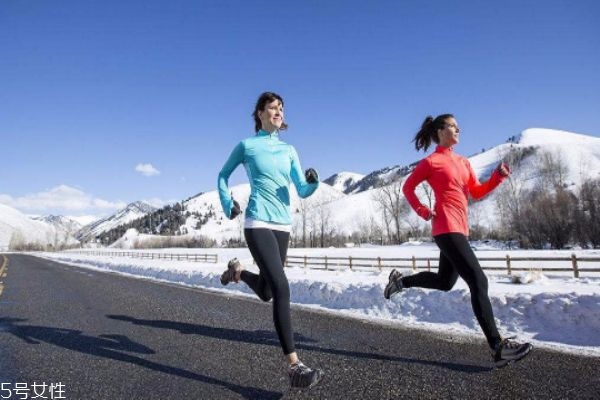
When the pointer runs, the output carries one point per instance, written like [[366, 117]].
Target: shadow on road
[[114, 347], [302, 342]]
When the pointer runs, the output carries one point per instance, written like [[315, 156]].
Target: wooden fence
[[508, 263], [573, 264], [208, 258]]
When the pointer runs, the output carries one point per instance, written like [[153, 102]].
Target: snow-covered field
[[556, 310]]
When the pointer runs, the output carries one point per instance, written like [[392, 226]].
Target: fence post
[[575, 268], [379, 263], [326, 266], [508, 264], [414, 263], [428, 265], [350, 260], [305, 261]]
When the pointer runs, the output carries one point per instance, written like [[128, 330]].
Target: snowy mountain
[[133, 211], [376, 178], [343, 181], [62, 224], [83, 220], [17, 228]]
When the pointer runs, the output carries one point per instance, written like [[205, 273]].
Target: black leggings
[[269, 248], [457, 259]]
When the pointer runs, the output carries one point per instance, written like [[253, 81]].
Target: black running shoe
[[233, 267], [302, 377], [508, 351], [394, 284]]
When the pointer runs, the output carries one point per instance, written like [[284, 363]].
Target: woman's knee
[[446, 286], [446, 282]]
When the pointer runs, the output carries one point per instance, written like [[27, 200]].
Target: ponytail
[[428, 131]]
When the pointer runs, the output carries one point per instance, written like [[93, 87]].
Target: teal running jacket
[[270, 165]]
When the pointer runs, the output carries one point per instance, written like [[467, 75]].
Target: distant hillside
[[133, 211], [343, 181], [21, 232], [382, 176], [62, 224]]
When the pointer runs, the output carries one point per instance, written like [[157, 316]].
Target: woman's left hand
[[503, 169], [311, 175]]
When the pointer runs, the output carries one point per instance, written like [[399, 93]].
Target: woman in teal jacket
[[270, 165]]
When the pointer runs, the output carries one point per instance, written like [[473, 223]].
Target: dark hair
[[263, 100], [428, 131]]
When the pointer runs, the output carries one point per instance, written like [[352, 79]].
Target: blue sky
[[90, 90]]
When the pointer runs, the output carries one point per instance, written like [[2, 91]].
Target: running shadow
[[255, 337], [116, 347], [302, 342]]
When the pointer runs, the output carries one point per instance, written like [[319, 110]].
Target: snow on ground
[[555, 311]]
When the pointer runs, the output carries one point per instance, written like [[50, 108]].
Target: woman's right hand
[[426, 213]]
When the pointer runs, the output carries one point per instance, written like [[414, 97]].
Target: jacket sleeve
[[478, 190], [235, 159], [419, 174], [303, 188]]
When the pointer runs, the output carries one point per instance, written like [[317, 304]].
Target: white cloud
[[147, 169], [61, 197]]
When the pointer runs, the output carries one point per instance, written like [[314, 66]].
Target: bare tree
[[510, 195], [303, 211], [587, 218], [323, 216], [476, 229], [558, 211], [527, 223], [428, 191], [390, 199], [553, 169], [372, 231], [547, 217]]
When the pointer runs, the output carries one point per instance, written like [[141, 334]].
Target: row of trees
[[54, 242], [551, 211], [541, 208], [165, 242]]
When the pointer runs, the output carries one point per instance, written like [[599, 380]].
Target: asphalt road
[[104, 336]]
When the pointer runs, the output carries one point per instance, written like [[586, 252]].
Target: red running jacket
[[453, 180]]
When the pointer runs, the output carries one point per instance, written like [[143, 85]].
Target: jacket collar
[[265, 133], [444, 150]]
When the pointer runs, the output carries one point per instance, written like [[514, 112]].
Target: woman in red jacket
[[452, 179]]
